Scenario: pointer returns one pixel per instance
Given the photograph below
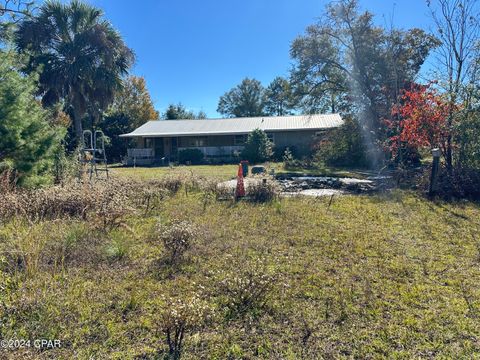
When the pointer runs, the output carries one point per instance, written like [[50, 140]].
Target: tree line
[[370, 74], [67, 64]]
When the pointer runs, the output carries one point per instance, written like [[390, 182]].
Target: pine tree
[[27, 141], [258, 147]]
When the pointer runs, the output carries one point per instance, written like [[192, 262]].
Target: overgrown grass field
[[174, 272], [146, 173], [229, 171]]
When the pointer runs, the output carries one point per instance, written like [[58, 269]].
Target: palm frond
[[81, 56]]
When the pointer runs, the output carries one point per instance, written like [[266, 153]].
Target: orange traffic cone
[[240, 190]]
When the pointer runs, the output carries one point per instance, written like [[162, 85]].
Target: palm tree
[[82, 58]]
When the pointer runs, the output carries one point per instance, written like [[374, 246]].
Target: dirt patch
[[314, 193], [318, 185]]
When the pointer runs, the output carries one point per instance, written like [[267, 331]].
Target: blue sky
[[193, 51]]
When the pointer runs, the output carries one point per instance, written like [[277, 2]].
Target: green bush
[[192, 156], [258, 147], [27, 140], [119, 247], [467, 136], [343, 147], [297, 152]]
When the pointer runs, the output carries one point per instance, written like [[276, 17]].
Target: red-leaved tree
[[418, 121]]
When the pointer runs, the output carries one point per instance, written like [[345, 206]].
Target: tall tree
[[131, 108], [180, 112], [278, 97], [347, 60], [318, 81], [15, 9], [11, 12], [27, 140], [244, 100], [458, 27], [83, 58], [135, 102], [467, 124]]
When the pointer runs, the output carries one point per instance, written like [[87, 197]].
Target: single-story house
[[223, 139]]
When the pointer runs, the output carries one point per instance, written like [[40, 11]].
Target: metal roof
[[245, 125]]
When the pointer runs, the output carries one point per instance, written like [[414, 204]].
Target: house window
[[148, 143], [239, 139], [319, 133], [193, 141], [199, 141]]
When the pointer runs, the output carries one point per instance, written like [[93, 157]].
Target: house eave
[[214, 133]]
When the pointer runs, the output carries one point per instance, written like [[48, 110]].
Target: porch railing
[[218, 151], [141, 153]]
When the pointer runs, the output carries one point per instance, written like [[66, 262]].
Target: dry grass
[[223, 172], [259, 192], [385, 276]]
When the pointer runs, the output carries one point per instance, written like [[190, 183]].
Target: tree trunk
[[450, 120], [77, 122], [449, 155]]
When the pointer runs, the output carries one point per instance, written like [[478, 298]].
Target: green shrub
[[65, 166], [467, 136], [192, 156], [297, 152], [119, 247], [258, 147], [343, 147], [70, 244]]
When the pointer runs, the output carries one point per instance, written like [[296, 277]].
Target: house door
[[174, 147], [159, 150], [167, 147]]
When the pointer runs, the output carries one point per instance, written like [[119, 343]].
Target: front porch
[[221, 152], [140, 157], [163, 150]]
